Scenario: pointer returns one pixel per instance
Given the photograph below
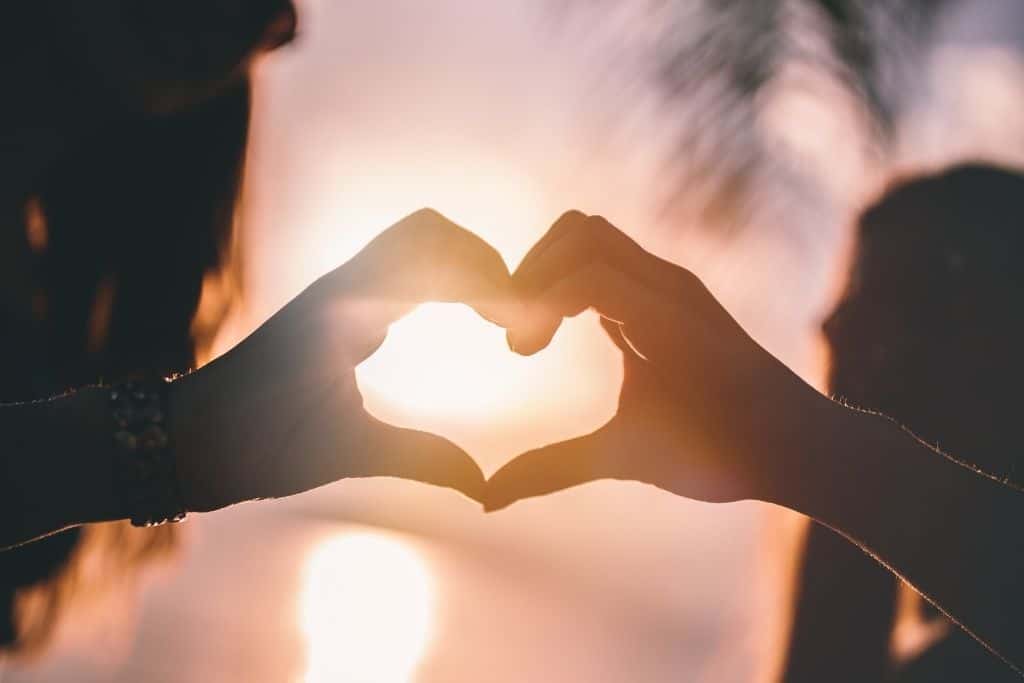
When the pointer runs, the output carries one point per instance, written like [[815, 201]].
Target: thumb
[[552, 468], [409, 454]]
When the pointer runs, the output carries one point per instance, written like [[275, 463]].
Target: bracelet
[[145, 473]]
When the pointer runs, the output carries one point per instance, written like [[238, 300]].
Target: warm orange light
[[444, 360], [366, 611], [443, 368]]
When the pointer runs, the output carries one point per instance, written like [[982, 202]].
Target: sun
[[444, 360]]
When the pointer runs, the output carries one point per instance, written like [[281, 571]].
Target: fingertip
[[525, 476], [533, 336], [530, 347], [474, 490], [494, 501], [424, 457], [520, 344], [526, 347], [469, 486], [468, 479], [490, 506]]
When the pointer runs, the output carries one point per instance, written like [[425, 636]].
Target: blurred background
[[737, 138]]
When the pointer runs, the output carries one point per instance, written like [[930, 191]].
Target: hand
[[281, 412], [699, 401]]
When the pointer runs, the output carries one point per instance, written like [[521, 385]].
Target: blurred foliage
[[718, 63], [860, 41]]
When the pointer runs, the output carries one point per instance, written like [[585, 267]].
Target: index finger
[[426, 257], [576, 240], [552, 468], [418, 456]]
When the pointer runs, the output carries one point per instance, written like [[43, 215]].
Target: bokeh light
[[366, 610]]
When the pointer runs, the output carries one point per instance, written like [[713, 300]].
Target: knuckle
[[427, 229], [687, 275], [571, 225], [602, 231], [492, 261], [424, 222], [426, 215], [572, 216], [688, 282]]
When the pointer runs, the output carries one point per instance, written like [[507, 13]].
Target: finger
[[335, 438], [550, 469], [565, 224], [614, 331], [613, 294], [409, 454], [426, 257], [577, 240], [469, 270]]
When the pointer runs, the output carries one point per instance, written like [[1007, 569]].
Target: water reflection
[[367, 610]]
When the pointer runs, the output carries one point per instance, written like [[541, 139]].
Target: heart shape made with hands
[[443, 377], [581, 263], [445, 370], [425, 257]]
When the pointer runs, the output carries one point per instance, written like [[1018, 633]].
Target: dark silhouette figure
[[706, 413], [929, 331], [113, 211]]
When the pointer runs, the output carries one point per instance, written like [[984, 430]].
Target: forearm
[[844, 607], [930, 519], [55, 466]]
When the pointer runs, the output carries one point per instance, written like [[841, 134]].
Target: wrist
[[203, 461], [81, 451], [800, 460], [833, 459]]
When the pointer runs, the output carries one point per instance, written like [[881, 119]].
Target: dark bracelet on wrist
[[145, 471]]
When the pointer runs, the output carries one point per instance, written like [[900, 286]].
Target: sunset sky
[[502, 116]]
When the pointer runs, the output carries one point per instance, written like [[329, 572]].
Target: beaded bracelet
[[144, 468]]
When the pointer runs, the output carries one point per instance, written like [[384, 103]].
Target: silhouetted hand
[[690, 409], [281, 412]]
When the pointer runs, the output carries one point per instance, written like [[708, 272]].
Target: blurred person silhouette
[[928, 332], [122, 144], [82, 302], [109, 229], [706, 413]]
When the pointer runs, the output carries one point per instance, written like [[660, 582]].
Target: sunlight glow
[[443, 368], [450, 362], [367, 610]]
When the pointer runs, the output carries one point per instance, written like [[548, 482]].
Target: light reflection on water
[[366, 610]]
